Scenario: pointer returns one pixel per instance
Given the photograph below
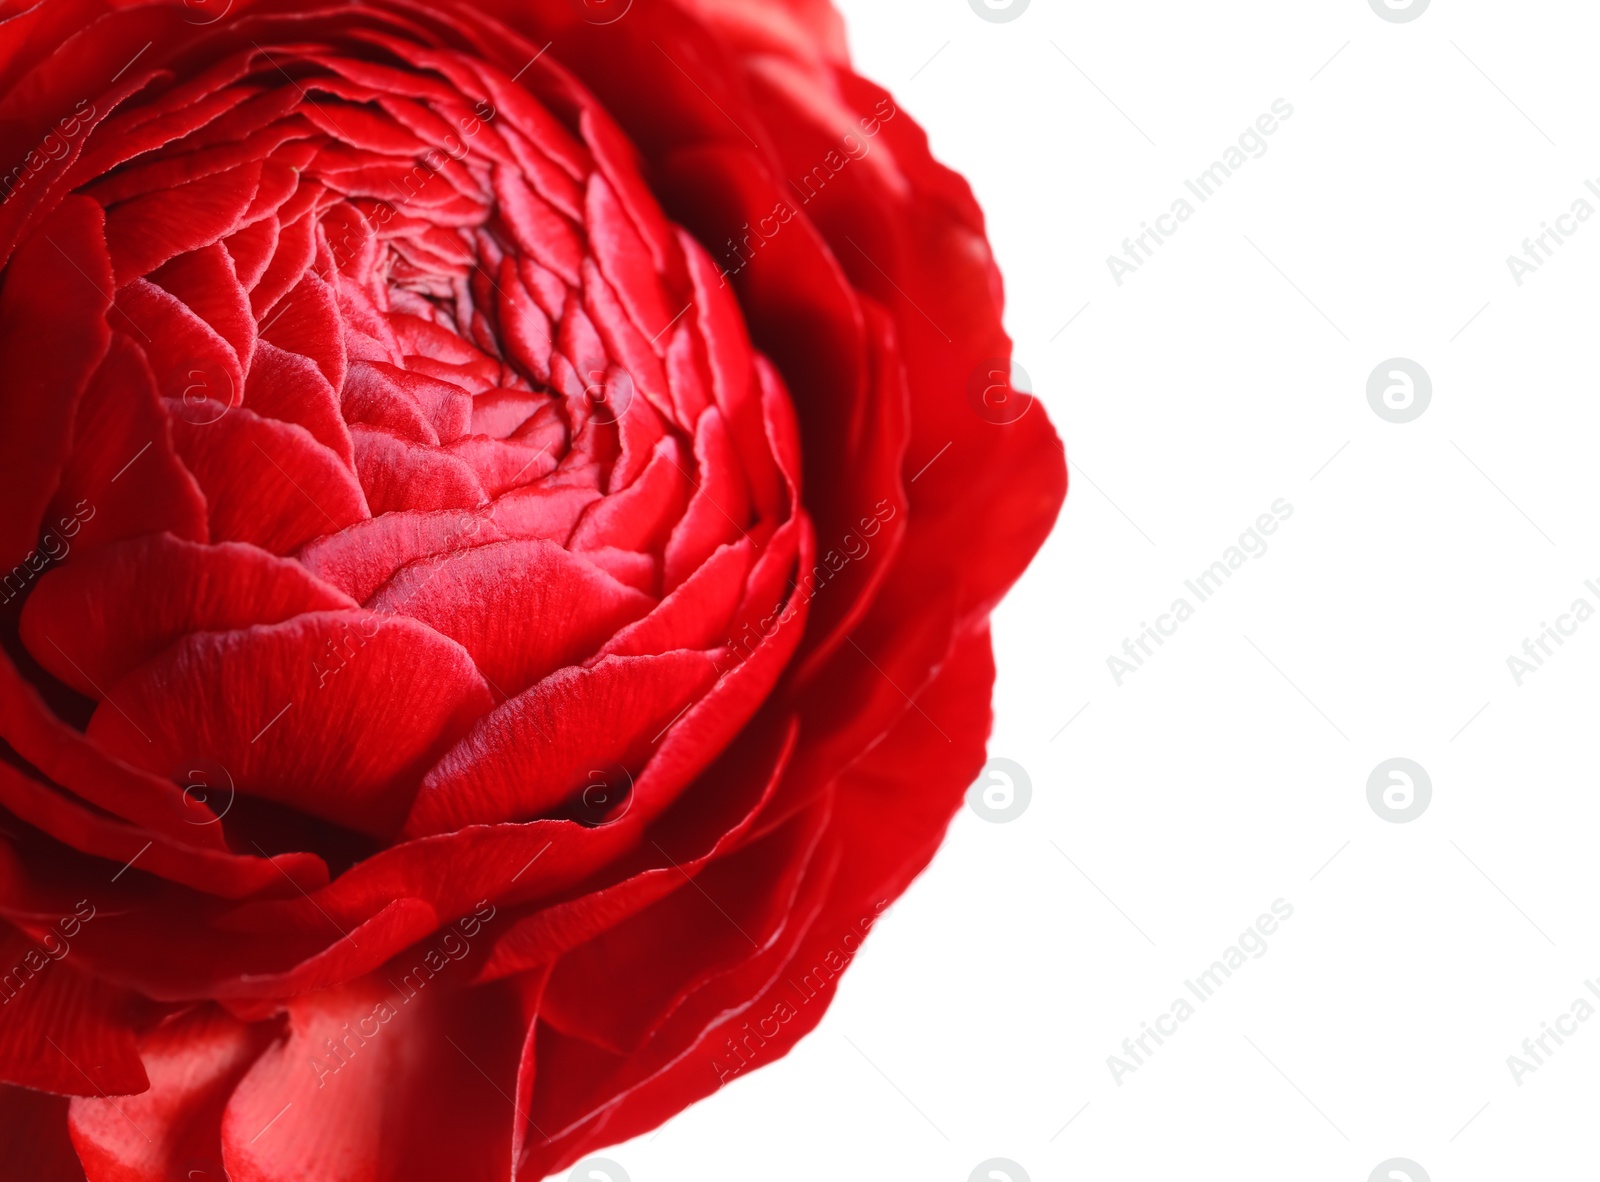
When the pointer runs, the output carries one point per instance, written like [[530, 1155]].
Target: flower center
[[450, 430]]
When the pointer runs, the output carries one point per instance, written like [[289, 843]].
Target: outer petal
[[52, 335], [172, 1131], [379, 1081], [771, 1002], [63, 1032]]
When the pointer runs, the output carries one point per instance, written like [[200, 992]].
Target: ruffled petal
[[335, 713]]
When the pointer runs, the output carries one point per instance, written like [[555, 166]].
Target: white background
[[1228, 372]]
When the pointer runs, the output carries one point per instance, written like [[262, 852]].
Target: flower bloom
[[503, 503]]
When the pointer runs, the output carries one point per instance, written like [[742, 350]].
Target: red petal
[[548, 513], [376, 1082], [189, 360], [535, 226], [633, 351], [147, 231], [125, 478], [761, 1010], [397, 475], [306, 321], [251, 250], [362, 558], [718, 511], [97, 610], [290, 388], [61, 753], [266, 482], [640, 516], [522, 609], [531, 753], [172, 1131], [52, 336], [690, 837], [615, 989], [444, 406], [205, 280], [450, 872], [334, 713], [64, 1032], [698, 611], [733, 378], [625, 263], [295, 249], [217, 873]]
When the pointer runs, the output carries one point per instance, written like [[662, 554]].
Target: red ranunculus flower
[[476, 658]]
